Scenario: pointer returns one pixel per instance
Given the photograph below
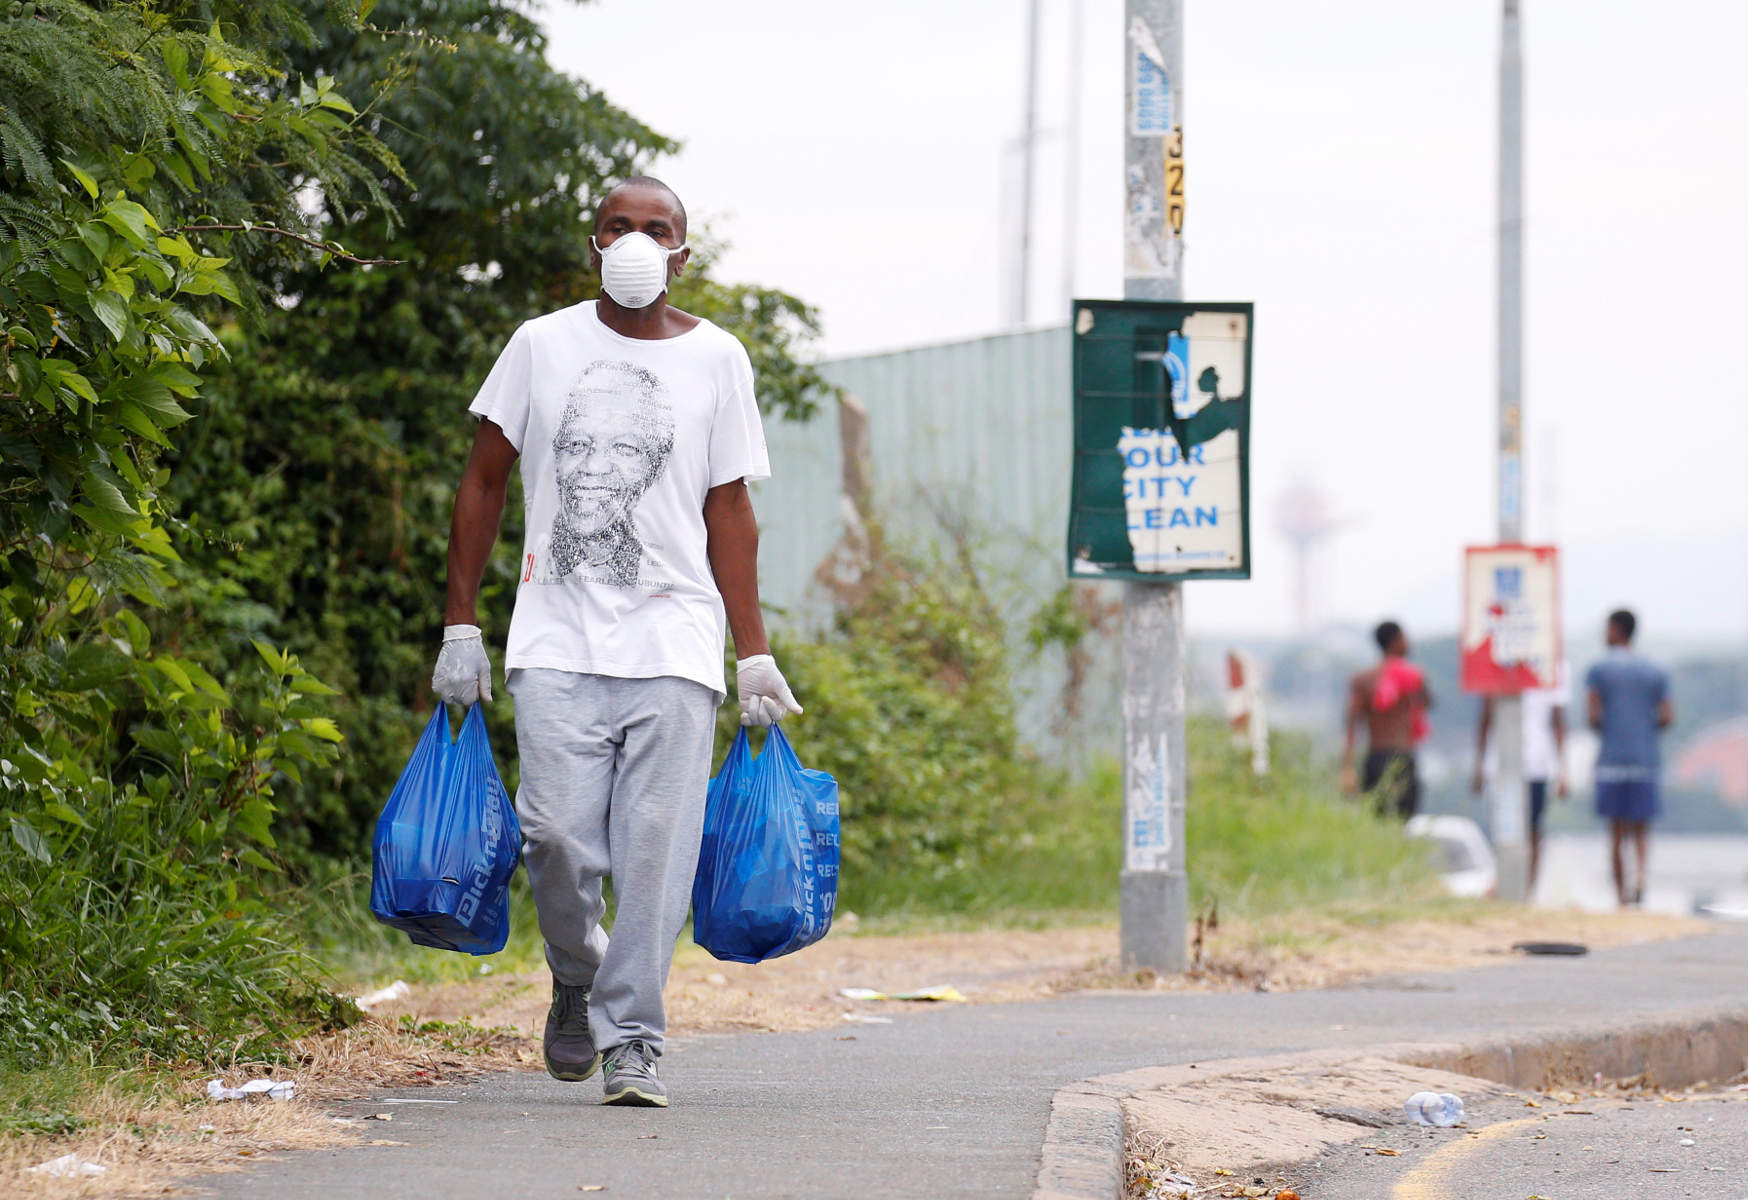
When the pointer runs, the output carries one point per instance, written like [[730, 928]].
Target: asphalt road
[[951, 1102], [1592, 1150]]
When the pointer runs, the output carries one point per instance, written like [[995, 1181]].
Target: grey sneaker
[[569, 1046], [629, 1077]]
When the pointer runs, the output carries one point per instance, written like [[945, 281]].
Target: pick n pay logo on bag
[[805, 833], [492, 830]]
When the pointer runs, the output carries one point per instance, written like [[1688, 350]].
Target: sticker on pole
[[1161, 477], [1511, 619], [1149, 85]]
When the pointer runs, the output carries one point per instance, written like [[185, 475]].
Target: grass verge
[[1257, 847], [149, 1124]]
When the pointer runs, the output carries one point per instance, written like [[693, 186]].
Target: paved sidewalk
[[950, 1102]]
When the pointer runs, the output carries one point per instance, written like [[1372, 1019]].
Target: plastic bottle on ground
[[1434, 1108]]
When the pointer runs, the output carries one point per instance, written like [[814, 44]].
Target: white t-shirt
[[620, 438], [1541, 758]]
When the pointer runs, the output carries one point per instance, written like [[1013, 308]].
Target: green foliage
[[136, 788], [47, 1101], [325, 473], [908, 705], [40, 1122], [1284, 845], [1288, 841], [197, 127], [330, 910], [135, 923]]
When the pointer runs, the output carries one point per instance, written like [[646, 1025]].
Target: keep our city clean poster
[[1161, 478]]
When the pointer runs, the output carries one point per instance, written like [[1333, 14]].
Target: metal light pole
[[1155, 890], [1028, 163], [1071, 155], [1509, 793]]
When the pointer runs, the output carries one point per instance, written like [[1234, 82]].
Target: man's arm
[[1356, 710], [1482, 728], [479, 506], [1558, 717], [732, 542], [733, 547], [1665, 714], [1593, 705]]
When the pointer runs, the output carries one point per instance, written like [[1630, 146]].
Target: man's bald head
[[644, 187]]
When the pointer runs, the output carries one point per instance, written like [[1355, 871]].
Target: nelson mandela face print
[[613, 441]]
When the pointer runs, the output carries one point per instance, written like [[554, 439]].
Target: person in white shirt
[[1544, 755], [637, 429]]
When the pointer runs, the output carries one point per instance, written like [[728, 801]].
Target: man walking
[[637, 429], [1629, 706], [1390, 700], [1544, 755]]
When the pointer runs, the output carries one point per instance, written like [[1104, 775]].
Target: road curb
[[1086, 1141], [1671, 1053], [1083, 1146]]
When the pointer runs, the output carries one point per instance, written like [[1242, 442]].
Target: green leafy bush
[[135, 788], [908, 705], [134, 919]]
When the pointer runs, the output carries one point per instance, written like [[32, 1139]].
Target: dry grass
[[1000, 966], [1327, 950], [145, 1145], [801, 991], [1150, 1172], [149, 1134]]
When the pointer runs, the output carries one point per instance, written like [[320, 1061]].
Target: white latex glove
[[464, 673], [764, 697]]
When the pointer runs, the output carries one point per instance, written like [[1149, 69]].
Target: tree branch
[[324, 247]]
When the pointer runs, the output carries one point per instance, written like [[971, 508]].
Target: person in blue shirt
[[1629, 707]]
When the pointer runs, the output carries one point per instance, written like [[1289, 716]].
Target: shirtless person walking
[[1390, 700]]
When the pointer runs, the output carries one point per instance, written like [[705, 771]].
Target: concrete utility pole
[[1509, 798], [1155, 889], [1028, 165]]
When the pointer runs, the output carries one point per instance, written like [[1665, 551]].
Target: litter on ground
[[943, 993], [400, 989], [414, 1100], [68, 1166], [273, 1089]]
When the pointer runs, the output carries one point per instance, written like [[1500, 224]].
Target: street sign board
[[1511, 619], [1161, 479]]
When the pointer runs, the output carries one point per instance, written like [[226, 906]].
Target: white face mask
[[634, 269]]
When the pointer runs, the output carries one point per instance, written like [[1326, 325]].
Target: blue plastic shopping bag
[[447, 843], [768, 869]]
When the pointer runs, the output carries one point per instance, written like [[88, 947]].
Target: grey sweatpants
[[614, 773]]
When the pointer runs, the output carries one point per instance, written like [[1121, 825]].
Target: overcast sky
[[1340, 165]]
